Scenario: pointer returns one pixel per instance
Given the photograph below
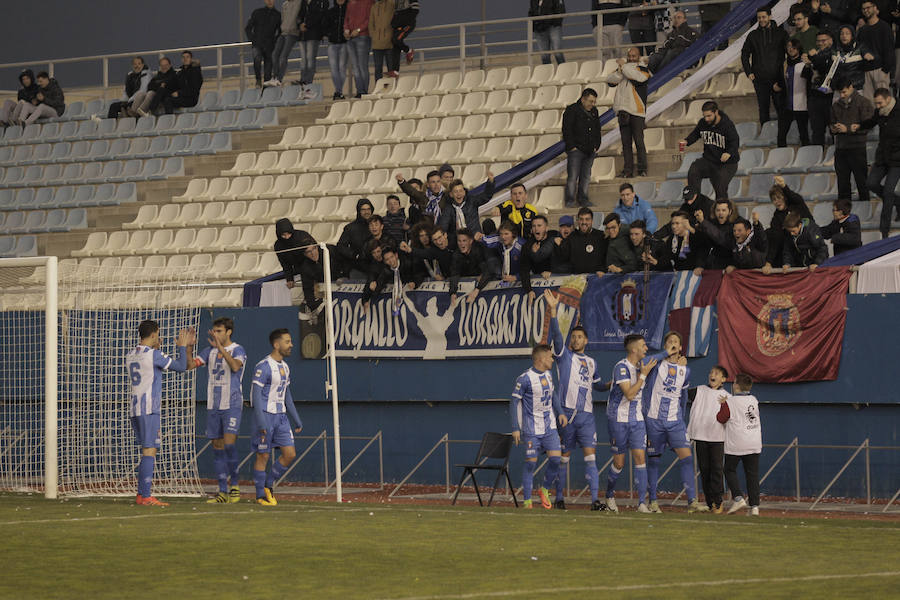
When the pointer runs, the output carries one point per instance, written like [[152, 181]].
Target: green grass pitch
[[109, 548]]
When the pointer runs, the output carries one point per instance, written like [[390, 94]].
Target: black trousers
[[765, 93], [751, 475], [819, 115], [643, 36], [632, 129], [719, 175], [847, 161], [262, 63], [785, 118], [115, 108], [709, 458], [170, 103]]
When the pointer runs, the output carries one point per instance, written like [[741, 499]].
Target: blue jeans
[[578, 177], [359, 58], [887, 192], [310, 51], [550, 39], [337, 62], [280, 55]]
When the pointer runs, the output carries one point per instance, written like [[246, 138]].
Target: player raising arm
[[532, 410], [145, 367], [225, 362], [272, 403]]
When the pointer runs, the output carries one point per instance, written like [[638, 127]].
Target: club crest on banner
[[628, 304], [777, 325]]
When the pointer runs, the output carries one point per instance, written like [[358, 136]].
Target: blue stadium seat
[[139, 148], [871, 216], [249, 96], [267, 117], [41, 153], [91, 173], [159, 146], [97, 107], [30, 133], [821, 213], [229, 98], [814, 186], [209, 102], [22, 154], [151, 168], [34, 221], [750, 158], [269, 97], [12, 133], [67, 131], [6, 154], [174, 167], [119, 147], [63, 196], [747, 131], [71, 173], [765, 212], [165, 124], [74, 111], [199, 144], [111, 169], [145, 126], [290, 95], [767, 136], [126, 192], [178, 144], [204, 123], [50, 173], [87, 130], [757, 191], [79, 151], [14, 222], [50, 132], [246, 119], [806, 158], [7, 245], [26, 245], [104, 195], [13, 176], [221, 142], [60, 151], [83, 196], [184, 122], [55, 221], [25, 199], [669, 193], [225, 120], [106, 128], [99, 150], [75, 219], [130, 170], [682, 171], [777, 159], [645, 190], [44, 198], [7, 199], [125, 127]]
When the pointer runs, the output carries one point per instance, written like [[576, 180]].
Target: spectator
[[762, 58], [785, 200], [428, 202], [620, 257], [469, 260], [641, 27], [517, 211], [189, 80], [844, 231], [720, 150], [878, 38], [645, 247], [794, 84], [377, 232], [539, 254], [829, 15], [508, 246], [262, 30], [337, 47], [160, 85], [684, 251], [356, 30], [847, 116], [820, 96], [609, 35], [804, 32], [750, 248], [416, 214], [548, 32], [136, 81], [462, 211], [887, 156], [693, 201], [11, 112], [719, 234], [631, 208], [313, 21], [677, 41], [396, 273], [312, 271], [566, 225], [290, 239], [743, 442], [373, 260], [581, 134], [395, 224], [289, 34], [438, 256], [381, 32], [630, 106], [51, 102], [352, 242], [804, 246], [710, 14], [403, 24], [419, 239], [708, 435], [851, 60], [447, 175], [585, 248]]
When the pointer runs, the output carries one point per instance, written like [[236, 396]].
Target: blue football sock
[[528, 479], [653, 475], [686, 465], [552, 471], [640, 476], [259, 480], [612, 476], [562, 477], [219, 466], [278, 470], [231, 458], [145, 475], [591, 474]]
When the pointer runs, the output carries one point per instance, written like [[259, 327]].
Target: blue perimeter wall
[[415, 402]]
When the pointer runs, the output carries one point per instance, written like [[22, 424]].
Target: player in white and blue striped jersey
[[225, 361], [578, 376], [272, 404], [665, 400], [145, 365], [534, 409]]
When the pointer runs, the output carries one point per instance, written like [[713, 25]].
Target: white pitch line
[[655, 586]]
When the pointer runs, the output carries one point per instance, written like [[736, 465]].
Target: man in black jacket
[[137, 80], [804, 246], [539, 254], [352, 243], [847, 117], [684, 251], [189, 80], [438, 256], [786, 201], [262, 30], [585, 248], [878, 36], [289, 248], [49, 101], [312, 271], [677, 41], [429, 201], [647, 247], [720, 150], [886, 167], [581, 134], [844, 231], [719, 235], [470, 260], [819, 100], [762, 58], [462, 210], [162, 83], [548, 32], [396, 275], [750, 248]]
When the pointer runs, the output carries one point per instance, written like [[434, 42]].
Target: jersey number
[[135, 370]]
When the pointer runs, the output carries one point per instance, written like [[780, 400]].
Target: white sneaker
[[95, 119], [754, 511], [736, 506], [611, 505], [271, 83], [642, 508]]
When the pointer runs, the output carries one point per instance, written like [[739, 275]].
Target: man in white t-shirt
[[743, 442], [709, 435]]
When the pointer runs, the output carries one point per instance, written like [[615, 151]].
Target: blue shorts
[[581, 431], [278, 434], [147, 431], [626, 436], [535, 444], [662, 434], [220, 422]]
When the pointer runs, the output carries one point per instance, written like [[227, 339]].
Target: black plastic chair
[[494, 446]]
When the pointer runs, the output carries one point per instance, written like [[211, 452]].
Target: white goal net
[[99, 310]]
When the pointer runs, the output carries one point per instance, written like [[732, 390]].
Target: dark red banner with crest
[[783, 328]]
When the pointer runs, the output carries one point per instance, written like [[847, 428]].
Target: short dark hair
[[385, 248], [843, 205], [165, 58], [226, 322], [637, 224], [276, 335], [188, 52], [743, 380], [147, 328], [764, 9], [795, 43], [371, 246], [682, 214], [455, 183], [843, 83], [377, 218], [394, 196], [883, 92], [584, 210], [540, 349], [42, 75], [140, 58], [800, 11], [466, 232], [670, 334], [415, 181], [826, 32], [792, 220], [611, 217], [446, 168], [509, 226], [742, 221], [540, 218], [516, 185], [709, 105], [581, 329], [721, 370], [431, 174], [630, 339], [589, 92], [626, 186]]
